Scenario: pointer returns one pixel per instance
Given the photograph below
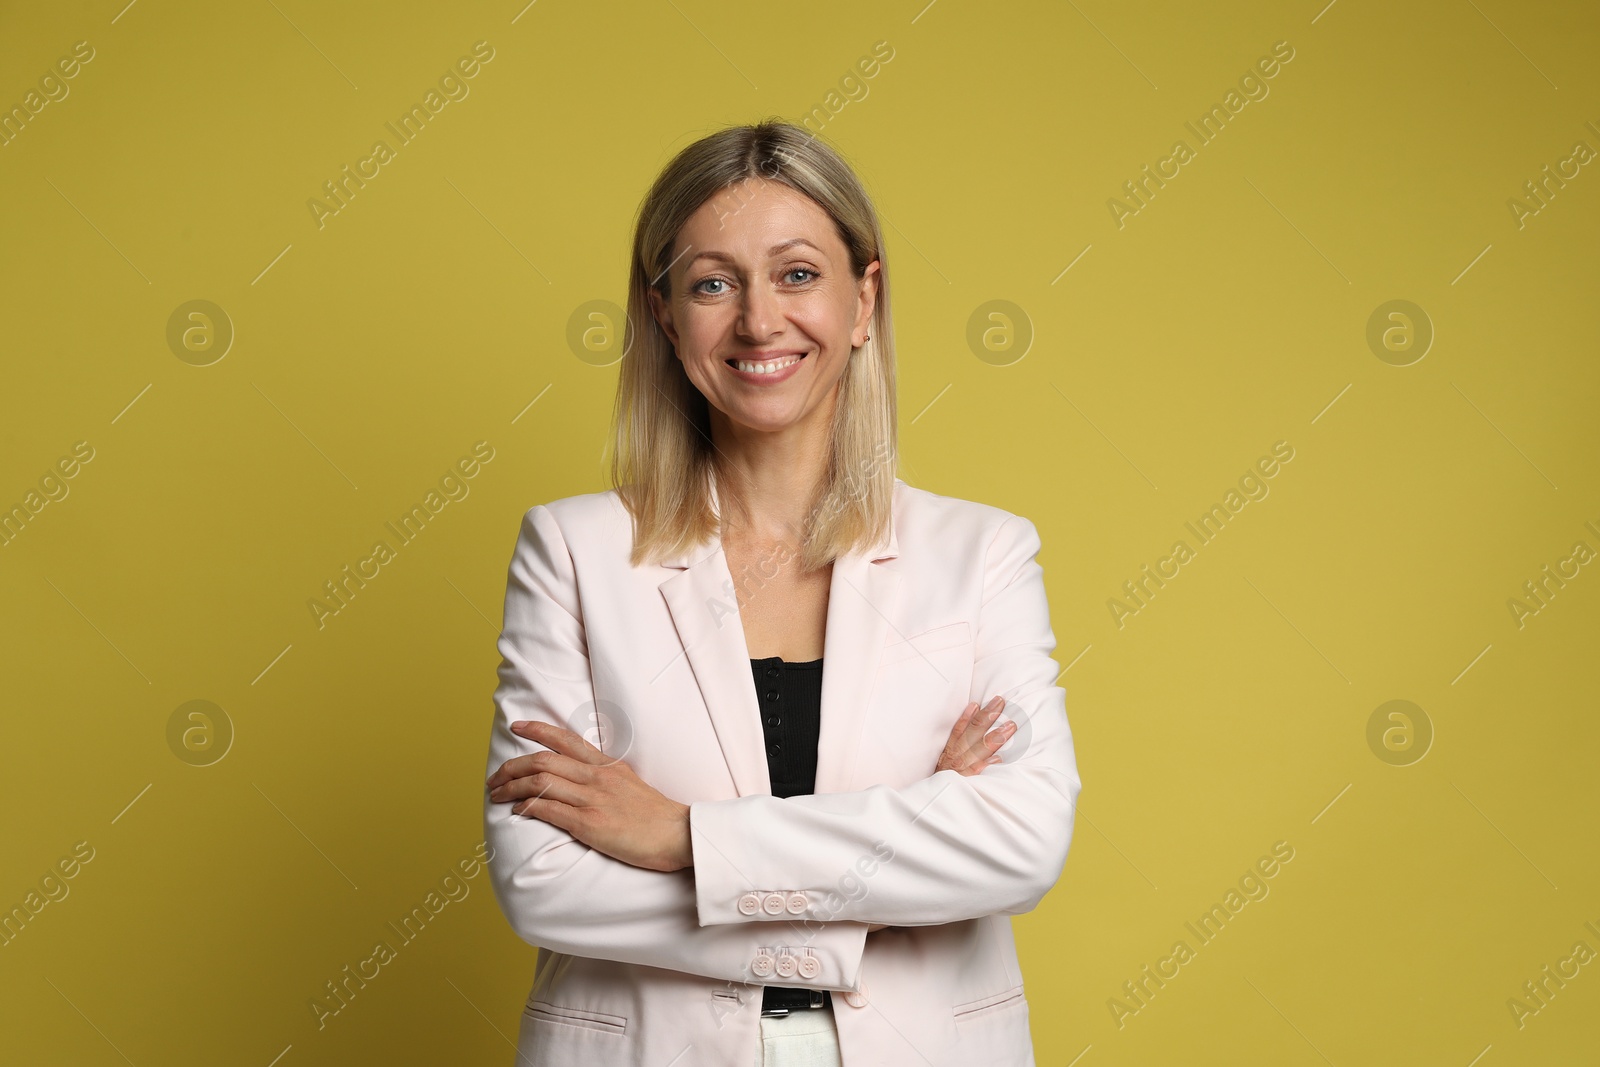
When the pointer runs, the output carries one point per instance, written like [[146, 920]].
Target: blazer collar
[[863, 595]]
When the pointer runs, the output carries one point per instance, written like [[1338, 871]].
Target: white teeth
[[765, 366]]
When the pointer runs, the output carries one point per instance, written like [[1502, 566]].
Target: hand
[[969, 750], [600, 801]]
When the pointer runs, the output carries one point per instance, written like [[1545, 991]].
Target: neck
[[769, 481]]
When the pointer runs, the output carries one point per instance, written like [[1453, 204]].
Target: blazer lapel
[[863, 594]]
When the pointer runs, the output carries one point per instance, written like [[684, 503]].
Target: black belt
[[781, 1000]]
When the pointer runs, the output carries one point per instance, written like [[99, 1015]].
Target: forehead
[[747, 219]]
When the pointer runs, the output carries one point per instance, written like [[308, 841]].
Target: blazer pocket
[[927, 642], [592, 1020], [972, 1009]]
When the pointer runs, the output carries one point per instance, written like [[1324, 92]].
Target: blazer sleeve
[[943, 849], [558, 892]]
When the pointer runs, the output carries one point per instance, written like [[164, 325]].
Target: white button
[[762, 965], [749, 904], [810, 967], [786, 965], [797, 903], [774, 903], [856, 1000]]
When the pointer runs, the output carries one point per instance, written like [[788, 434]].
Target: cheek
[[826, 318], [702, 328]]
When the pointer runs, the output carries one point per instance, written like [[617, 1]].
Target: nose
[[760, 315]]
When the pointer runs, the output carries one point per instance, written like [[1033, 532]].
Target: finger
[[560, 740], [977, 726], [980, 765], [561, 816], [546, 763], [979, 752], [534, 762], [995, 742], [967, 749], [964, 764], [544, 787], [518, 789], [981, 721], [969, 728], [515, 767]]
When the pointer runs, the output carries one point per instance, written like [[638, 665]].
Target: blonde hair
[[663, 464]]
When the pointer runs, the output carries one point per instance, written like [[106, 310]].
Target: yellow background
[[1228, 314]]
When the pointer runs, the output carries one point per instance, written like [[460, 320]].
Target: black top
[[790, 698]]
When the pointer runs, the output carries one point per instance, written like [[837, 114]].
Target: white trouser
[[800, 1039]]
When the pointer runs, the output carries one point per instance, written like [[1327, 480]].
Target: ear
[[663, 314], [866, 298]]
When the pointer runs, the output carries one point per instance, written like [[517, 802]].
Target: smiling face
[[764, 309]]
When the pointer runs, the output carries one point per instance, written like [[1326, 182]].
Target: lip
[[773, 378]]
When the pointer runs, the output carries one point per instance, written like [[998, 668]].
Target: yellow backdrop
[[1278, 320]]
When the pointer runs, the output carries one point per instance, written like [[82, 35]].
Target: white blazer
[[654, 968]]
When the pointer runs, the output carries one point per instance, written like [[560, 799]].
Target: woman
[[729, 855]]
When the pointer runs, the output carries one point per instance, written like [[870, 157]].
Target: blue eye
[[698, 286]]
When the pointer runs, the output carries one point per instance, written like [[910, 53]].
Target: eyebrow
[[774, 250]]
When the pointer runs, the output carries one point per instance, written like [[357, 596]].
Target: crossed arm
[[953, 846]]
